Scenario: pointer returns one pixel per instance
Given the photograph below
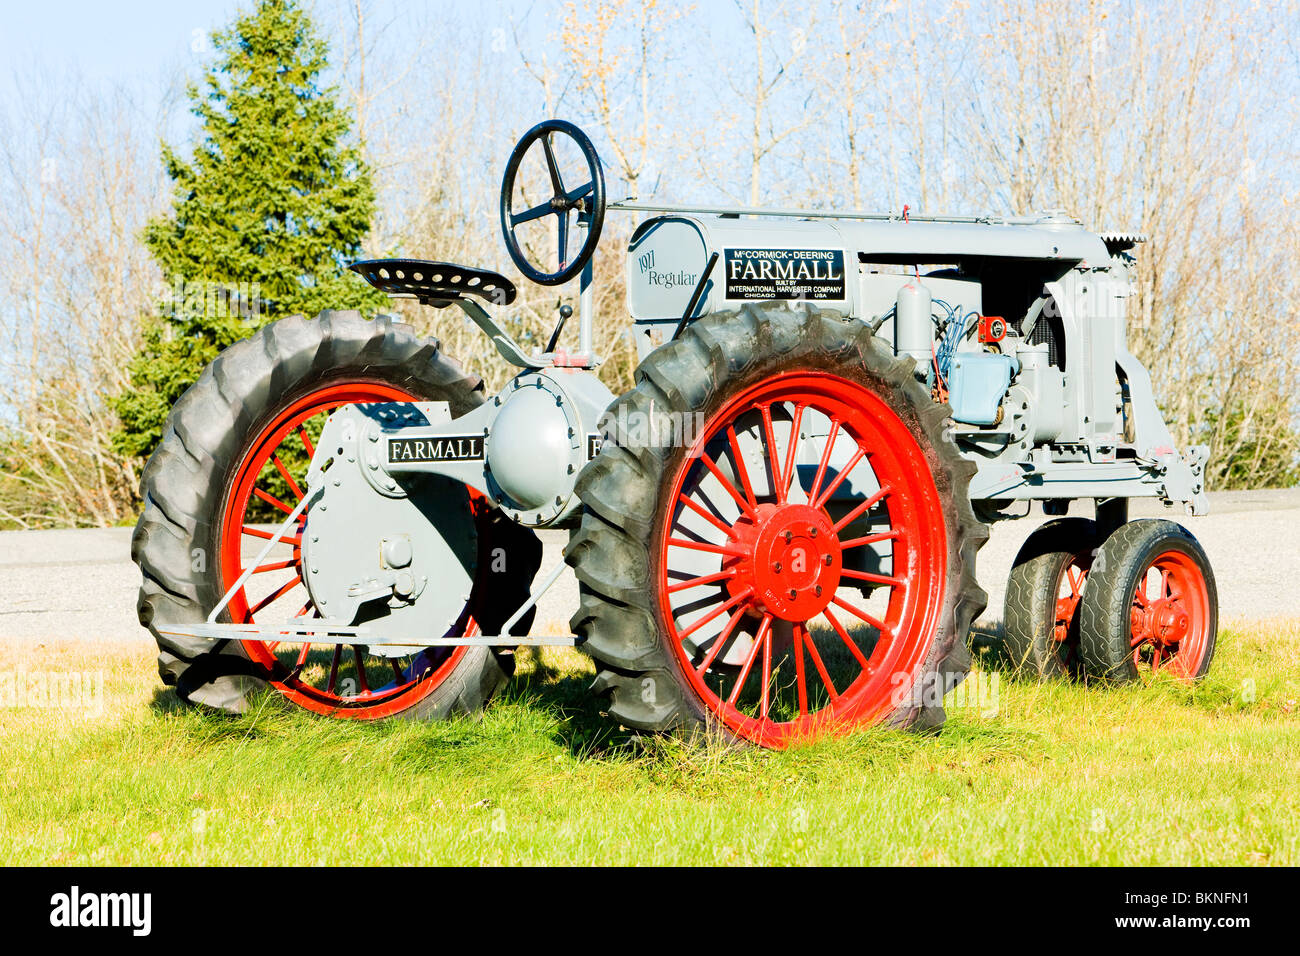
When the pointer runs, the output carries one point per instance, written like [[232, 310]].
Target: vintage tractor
[[774, 532]]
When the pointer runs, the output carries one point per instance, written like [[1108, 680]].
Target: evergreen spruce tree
[[264, 217]]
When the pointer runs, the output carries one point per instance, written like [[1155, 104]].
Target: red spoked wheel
[[786, 602], [232, 464], [1169, 618], [1150, 607], [336, 681], [777, 542]]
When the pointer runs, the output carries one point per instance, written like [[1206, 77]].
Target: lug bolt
[[812, 531], [826, 560], [793, 594], [788, 536], [818, 590], [777, 567]]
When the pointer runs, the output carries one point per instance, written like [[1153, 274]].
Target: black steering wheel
[[587, 200]]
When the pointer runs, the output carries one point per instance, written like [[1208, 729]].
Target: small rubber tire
[[626, 489], [208, 433], [1031, 620], [1111, 609]]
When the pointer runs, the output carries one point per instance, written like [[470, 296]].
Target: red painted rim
[[781, 602], [407, 680], [1169, 617], [1066, 618]]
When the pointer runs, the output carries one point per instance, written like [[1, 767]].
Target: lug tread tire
[[1029, 614], [620, 489]]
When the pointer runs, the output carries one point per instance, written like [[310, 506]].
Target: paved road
[[82, 584]]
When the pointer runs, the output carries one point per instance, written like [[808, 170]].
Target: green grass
[[1161, 774]]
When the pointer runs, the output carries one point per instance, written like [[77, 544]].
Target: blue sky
[[132, 39]]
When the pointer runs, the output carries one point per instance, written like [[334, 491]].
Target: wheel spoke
[[284, 473], [773, 459], [398, 674], [551, 167], [765, 694], [267, 536], [562, 238], [866, 505], [361, 670], [763, 630], [701, 580], [302, 657], [863, 616], [528, 215], [787, 473], [273, 500], [872, 578], [574, 195], [1076, 581], [276, 566], [745, 506], [705, 546], [739, 459], [800, 673], [720, 609], [334, 668], [707, 515], [825, 459], [1140, 594], [275, 595], [821, 668], [889, 535], [306, 442], [839, 478], [718, 642], [849, 642]]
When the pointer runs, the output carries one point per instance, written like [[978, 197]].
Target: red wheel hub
[[1163, 622], [792, 561]]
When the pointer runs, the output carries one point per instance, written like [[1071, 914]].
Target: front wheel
[[777, 541], [1040, 624], [1151, 605]]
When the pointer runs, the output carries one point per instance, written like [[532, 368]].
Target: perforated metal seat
[[435, 283]]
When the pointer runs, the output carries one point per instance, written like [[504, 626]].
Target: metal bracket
[[505, 344], [333, 632]]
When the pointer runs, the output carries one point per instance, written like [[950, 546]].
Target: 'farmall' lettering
[[442, 448], [785, 273]]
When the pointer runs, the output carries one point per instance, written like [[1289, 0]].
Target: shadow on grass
[[582, 727]]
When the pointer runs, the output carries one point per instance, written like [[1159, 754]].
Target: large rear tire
[[223, 457], [709, 566]]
